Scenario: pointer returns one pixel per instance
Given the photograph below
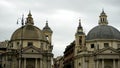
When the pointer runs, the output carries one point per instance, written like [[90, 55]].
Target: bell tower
[[79, 38], [48, 32]]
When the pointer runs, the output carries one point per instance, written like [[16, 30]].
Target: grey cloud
[[63, 30]]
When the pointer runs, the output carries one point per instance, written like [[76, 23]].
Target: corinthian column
[[24, 62], [36, 63], [114, 63], [41, 63], [102, 63]]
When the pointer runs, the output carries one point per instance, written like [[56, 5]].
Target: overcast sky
[[62, 15]]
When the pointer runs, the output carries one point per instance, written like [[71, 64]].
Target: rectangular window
[[17, 43], [92, 46], [30, 43], [41, 45], [118, 45], [106, 45]]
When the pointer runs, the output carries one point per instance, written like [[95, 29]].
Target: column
[[114, 63], [83, 62], [97, 63], [40, 63], [19, 63], [102, 63], [86, 64], [118, 63], [36, 63], [24, 62]]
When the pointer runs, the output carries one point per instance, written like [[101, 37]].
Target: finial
[[79, 28], [30, 13], [46, 22], [80, 22], [103, 11]]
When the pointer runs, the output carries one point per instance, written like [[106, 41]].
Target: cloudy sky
[[62, 15]]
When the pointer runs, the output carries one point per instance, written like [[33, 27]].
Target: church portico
[[107, 63], [31, 63]]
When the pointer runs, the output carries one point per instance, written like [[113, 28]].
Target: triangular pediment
[[108, 50], [31, 49]]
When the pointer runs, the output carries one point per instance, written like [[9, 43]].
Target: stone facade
[[100, 48], [69, 56], [58, 62], [29, 47]]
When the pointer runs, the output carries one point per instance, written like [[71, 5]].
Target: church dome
[[103, 30], [28, 31]]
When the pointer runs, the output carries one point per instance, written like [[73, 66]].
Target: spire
[[47, 24], [103, 18], [29, 15], [79, 29], [29, 20]]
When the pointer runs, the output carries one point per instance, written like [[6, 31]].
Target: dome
[[103, 32], [47, 28], [30, 32]]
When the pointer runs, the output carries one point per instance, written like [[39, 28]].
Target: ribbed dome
[[30, 32], [103, 32]]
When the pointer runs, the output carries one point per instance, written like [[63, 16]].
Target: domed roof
[[47, 28], [103, 32], [28, 31]]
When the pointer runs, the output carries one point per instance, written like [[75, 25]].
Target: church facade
[[100, 48], [29, 47]]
